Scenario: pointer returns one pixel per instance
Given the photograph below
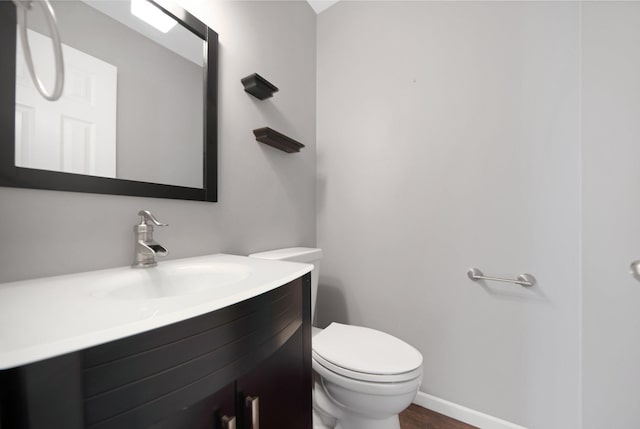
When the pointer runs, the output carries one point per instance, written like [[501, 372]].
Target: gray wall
[[159, 98], [611, 214], [267, 197], [501, 135], [448, 137]]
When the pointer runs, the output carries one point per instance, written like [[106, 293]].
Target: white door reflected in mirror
[[75, 134], [133, 100]]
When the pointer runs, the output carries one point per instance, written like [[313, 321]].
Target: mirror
[[138, 113]]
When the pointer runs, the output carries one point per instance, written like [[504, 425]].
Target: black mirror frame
[[19, 177]]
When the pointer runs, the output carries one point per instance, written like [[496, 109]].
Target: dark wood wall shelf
[[258, 86], [273, 138]]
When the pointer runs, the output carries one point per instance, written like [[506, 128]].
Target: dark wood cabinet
[[188, 375], [280, 385], [206, 414]]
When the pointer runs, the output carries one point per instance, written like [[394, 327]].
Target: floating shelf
[[273, 138], [258, 86]]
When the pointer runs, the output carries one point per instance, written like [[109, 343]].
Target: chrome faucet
[[146, 247]]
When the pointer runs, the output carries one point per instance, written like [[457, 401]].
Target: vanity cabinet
[[197, 374]]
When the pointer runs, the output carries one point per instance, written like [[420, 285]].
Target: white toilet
[[363, 378]]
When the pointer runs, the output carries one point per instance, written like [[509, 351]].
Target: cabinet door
[[280, 388], [210, 413]]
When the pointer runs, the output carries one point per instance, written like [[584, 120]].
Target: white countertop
[[47, 317]]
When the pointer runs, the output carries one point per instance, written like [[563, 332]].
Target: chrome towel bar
[[526, 280]]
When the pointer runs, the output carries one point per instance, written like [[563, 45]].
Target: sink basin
[[167, 281], [47, 317]]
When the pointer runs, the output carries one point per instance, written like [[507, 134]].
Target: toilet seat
[[362, 376], [366, 354]]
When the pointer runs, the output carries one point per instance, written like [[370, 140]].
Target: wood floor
[[416, 417]]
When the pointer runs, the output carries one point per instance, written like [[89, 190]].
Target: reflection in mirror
[[139, 110], [132, 106]]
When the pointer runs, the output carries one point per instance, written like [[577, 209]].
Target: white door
[[77, 133], [611, 214]]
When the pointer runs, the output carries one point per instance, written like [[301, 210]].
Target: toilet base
[[355, 423], [361, 422], [320, 421], [327, 414]]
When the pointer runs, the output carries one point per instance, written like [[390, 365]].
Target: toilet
[[363, 378]]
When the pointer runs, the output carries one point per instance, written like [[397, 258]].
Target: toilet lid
[[361, 352]]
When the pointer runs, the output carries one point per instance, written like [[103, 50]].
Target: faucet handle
[[147, 217]]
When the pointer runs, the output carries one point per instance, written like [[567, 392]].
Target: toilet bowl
[[363, 378]]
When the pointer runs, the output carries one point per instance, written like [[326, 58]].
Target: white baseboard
[[464, 414]]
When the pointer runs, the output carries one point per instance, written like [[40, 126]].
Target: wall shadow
[[331, 305]]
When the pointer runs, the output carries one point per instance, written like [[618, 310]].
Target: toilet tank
[[307, 255]]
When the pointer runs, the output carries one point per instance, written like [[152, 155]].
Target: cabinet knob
[[228, 422], [254, 404]]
